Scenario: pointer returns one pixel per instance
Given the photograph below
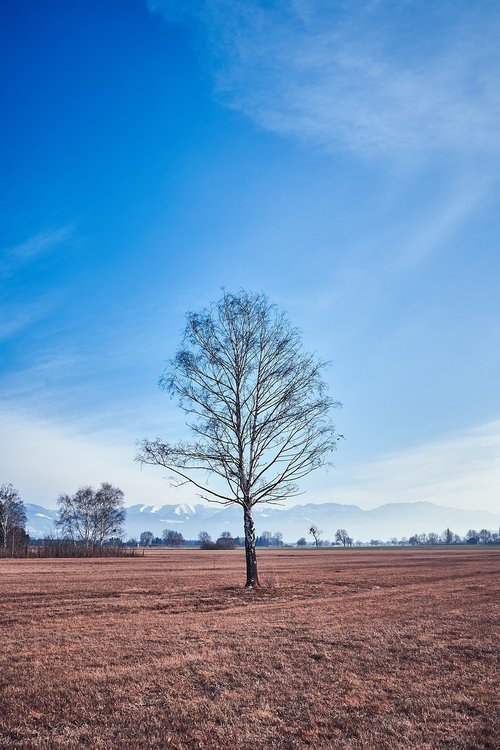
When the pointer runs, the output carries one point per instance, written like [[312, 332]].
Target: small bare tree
[[472, 537], [485, 536], [342, 537], [316, 534], [146, 538], [447, 536], [257, 406], [204, 537]]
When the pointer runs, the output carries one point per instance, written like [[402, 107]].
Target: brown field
[[338, 649]]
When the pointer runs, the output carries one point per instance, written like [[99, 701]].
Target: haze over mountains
[[391, 520]]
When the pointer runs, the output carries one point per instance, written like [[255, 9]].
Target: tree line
[[172, 538], [88, 522], [342, 538], [91, 524]]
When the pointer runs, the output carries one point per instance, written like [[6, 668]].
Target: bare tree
[[472, 537], [342, 537], [146, 538], [447, 536], [89, 517], [12, 517], [225, 541], [204, 537], [265, 539], [316, 533], [277, 539], [484, 536], [172, 538], [257, 405]]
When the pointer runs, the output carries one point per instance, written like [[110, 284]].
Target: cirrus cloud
[[375, 77]]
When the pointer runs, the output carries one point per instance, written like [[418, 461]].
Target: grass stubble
[[351, 649]]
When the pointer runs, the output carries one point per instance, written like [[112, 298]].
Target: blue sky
[[342, 157]]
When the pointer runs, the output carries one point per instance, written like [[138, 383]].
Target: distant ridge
[[384, 522]]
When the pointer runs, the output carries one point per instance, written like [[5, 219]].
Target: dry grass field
[[338, 649]]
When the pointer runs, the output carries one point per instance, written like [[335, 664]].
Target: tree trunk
[[251, 557]]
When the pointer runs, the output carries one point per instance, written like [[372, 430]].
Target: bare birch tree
[[89, 517], [256, 403]]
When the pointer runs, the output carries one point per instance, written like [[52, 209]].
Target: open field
[[339, 649]]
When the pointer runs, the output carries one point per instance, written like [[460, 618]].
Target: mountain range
[[384, 522]]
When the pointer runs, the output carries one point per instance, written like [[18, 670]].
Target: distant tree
[[132, 542], [472, 537], [484, 536], [342, 537], [89, 516], [114, 541], [457, 539], [301, 542], [315, 533], [204, 537], [225, 541], [146, 539], [172, 538], [258, 405], [413, 540], [375, 543], [268, 539], [432, 538], [393, 541], [277, 540], [447, 536], [12, 518], [264, 540]]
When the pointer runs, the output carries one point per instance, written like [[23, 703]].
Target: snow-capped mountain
[[391, 520]]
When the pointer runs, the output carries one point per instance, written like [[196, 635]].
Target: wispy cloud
[[48, 370], [461, 470], [14, 257], [437, 224], [375, 77], [16, 317], [63, 457], [17, 311]]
